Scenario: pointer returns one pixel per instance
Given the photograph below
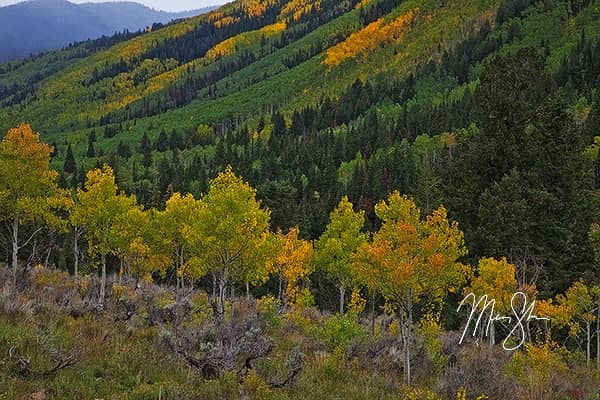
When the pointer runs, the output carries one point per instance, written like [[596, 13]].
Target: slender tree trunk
[[247, 291], [408, 336], [15, 249], [121, 272], [589, 339], [342, 295], [103, 281], [598, 338], [280, 288], [76, 254], [373, 315], [232, 297], [492, 334], [384, 319], [179, 274], [222, 291], [214, 287], [407, 354], [47, 259]]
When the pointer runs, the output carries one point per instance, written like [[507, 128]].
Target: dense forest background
[[471, 123], [483, 113]]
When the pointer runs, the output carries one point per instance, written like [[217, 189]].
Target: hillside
[[288, 199], [35, 26], [263, 85]]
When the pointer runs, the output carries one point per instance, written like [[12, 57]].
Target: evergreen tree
[[69, 164], [279, 126], [517, 185], [91, 153], [162, 142], [123, 150], [145, 144]]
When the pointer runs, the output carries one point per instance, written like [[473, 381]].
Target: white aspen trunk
[[492, 334], [342, 295], [103, 281], [222, 291], [407, 335], [179, 274], [15, 249], [47, 259], [280, 288], [76, 254], [232, 297], [373, 315], [121, 271], [214, 287], [589, 339]]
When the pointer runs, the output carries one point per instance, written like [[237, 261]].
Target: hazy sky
[[167, 5]]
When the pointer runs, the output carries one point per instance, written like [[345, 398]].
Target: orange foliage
[[292, 263], [362, 3], [256, 8], [297, 8], [370, 38], [229, 20]]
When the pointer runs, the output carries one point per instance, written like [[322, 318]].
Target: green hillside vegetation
[[259, 93], [465, 130]]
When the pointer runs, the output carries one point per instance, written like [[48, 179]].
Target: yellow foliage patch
[[362, 3], [256, 8], [370, 38], [231, 45], [229, 20], [295, 9]]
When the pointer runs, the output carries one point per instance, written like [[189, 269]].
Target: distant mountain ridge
[[39, 25]]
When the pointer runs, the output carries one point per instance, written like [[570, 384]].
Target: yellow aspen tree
[[180, 212], [142, 245], [291, 263], [28, 191], [102, 210], [230, 228], [581, 301], [336, 248], [496, 280], [412, 259]]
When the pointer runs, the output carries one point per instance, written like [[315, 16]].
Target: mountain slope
[[250, 56], [38, 25], [293, 34], [313, 100]]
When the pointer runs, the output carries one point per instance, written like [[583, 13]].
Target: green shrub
[[339, 330], [268, 310]]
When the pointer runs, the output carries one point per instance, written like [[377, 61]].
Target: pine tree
[[69, 165], [162, 142], [279, 126], [91, 153]]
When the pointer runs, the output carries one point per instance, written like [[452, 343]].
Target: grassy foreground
[[56, 344]]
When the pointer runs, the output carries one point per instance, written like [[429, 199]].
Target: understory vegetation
[[289, 199], [147, 345]]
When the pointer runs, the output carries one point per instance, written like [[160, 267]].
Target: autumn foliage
[[223, 240], [373, 36]]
